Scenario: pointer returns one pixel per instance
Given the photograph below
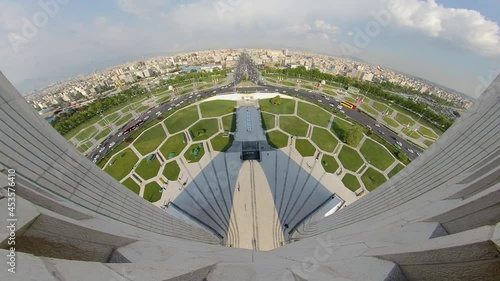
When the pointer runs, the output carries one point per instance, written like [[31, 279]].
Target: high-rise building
[[438, 219]]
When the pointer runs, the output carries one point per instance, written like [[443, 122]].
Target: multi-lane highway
[[245, 69]]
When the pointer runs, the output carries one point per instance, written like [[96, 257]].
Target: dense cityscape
[[151, 72]]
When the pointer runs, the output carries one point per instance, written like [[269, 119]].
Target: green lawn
[[217, 108], [350, 159], [268, 121], [351, 182], [110, 119], [339, 127], [142, 108], [150, 140], [229, 123], [148, 169], [84, 147], [369, 109], [314, 114], [324, 139], [376, 155], [331, 93], [204, 129], [102, 134], [287, 106], [277, 139], [152, 192], [172, 170], [173, 144], [403, 119], [121, 164], [294, 126], [124, 119], [428, 142], [329, 164], [372, 179], [382, 107], [132, 185], [221, 143], [305, 147], [395, 170], [182, 119], [353, 100], [391, 122], [413, 135], [190, 153], [86, 133], [427, 132]]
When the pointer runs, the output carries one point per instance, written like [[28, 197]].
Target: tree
[[353, 137], [276, 100]]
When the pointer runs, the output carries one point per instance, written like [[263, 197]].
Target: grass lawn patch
[[132, 185], [204, 129], [376, 155], [268, 121], [142, 108], [121, 164], [340, 127], [150, 140], [84, 147], [413, 135], [350, 159], [217, 108], [369, 109], [294, 126], [174, 145], [221, 143], [172, 171], [305, 148], [182, 119], [229, 123], [148, 169], [124, 119], [428, 142], [427, 132], [109, 119], [350, 181], [277, 139], [382, 107], [391, 122], [314, 114], [194, 153], [287, 106], [331, 93], [324, 139], [102, 134], [405, 120], [395, 170], [349, 99], [152, 192], [329, 164], [86, 133], [372, 179]]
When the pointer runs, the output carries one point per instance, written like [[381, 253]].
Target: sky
[[455, 43]]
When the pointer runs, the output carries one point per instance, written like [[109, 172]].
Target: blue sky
[[454, 43]]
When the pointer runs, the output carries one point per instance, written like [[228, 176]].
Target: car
[[339, 107], [120, 134], [276, 90], [215, 91], [377, 125], [284, 91], [327, 98], [343, 112], [332, 105], [410, 150], [136, 118], [97, 156], [320, 101], [102, 149], [149, 111], [265, 90], [170, 108], [158, 113], [399, 143], [111, 144], [145, 118], [99, 145], [381, 132], [296, 90], [369, 127], [94, 160]]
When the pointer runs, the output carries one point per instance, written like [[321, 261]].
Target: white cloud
[[141, 7], [461, 27]]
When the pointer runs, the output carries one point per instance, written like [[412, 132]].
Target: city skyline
[[452, 43]]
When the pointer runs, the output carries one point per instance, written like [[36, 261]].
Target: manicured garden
[[148, 168], [287, 106], [172, 171], [150, 140], [372, 179], [350, 159], [277, 139], [152, 192], [173, 146], [376, 155], [304, 147], [121, 164], [395, 170], [182, 119], [294, 126], [324, 139], [86, 133], [268, 121], [217, 108], [222, 143], [329, 164], [313, 114], [204, 129], [132, 185], [351, 182], [194, 153]]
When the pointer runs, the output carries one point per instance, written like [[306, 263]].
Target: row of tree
[[380, 90], [72, 118]]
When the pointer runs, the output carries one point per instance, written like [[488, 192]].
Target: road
[[245, 69]]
